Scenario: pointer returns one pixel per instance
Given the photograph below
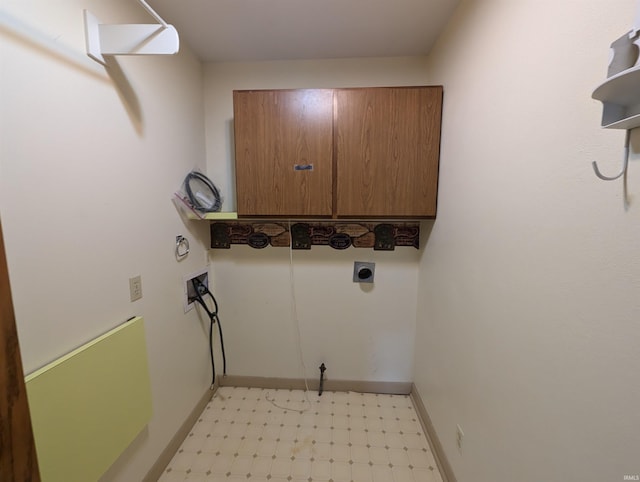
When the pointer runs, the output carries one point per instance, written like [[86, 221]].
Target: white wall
[[88, 165], [528, 316], [358, 334]]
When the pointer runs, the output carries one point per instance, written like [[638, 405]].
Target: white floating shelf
[[213, 216], [189, 212], [128, 39]]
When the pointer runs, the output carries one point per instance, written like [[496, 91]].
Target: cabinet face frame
[[18, 457], [284, 152], [375, 152]]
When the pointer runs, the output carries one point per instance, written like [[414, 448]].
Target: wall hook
[[625, 162], [129, 39]]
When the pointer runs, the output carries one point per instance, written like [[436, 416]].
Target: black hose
[[224, 357], [197, 203], [213, 318]]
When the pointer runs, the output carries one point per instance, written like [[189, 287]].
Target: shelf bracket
[[625, 161], [129, 39]]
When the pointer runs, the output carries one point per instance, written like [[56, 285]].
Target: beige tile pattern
[[247, 434]]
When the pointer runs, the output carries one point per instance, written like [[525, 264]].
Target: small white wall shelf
[[129, 39], [620, 93], [620, 96]]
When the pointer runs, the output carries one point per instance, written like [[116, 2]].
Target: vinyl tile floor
[[260, 435]]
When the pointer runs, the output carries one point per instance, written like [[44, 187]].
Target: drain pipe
[[322, 369]]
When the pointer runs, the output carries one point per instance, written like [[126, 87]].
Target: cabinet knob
[[303, 167]]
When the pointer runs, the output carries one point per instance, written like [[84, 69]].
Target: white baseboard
[[176, 441], [395, 388], [434, 442]]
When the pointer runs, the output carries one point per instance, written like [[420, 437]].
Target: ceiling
[[251, 30]]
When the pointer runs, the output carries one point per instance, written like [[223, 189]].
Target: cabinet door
[[284, 147], [387, 151]]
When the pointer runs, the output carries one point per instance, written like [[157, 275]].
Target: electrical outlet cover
[[459, 438], [135, 288]]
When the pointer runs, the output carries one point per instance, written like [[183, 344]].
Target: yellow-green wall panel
[[89, 405]]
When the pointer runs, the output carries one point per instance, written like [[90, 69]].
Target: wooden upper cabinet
[[341, 153], [284, 152], [387, 151]]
